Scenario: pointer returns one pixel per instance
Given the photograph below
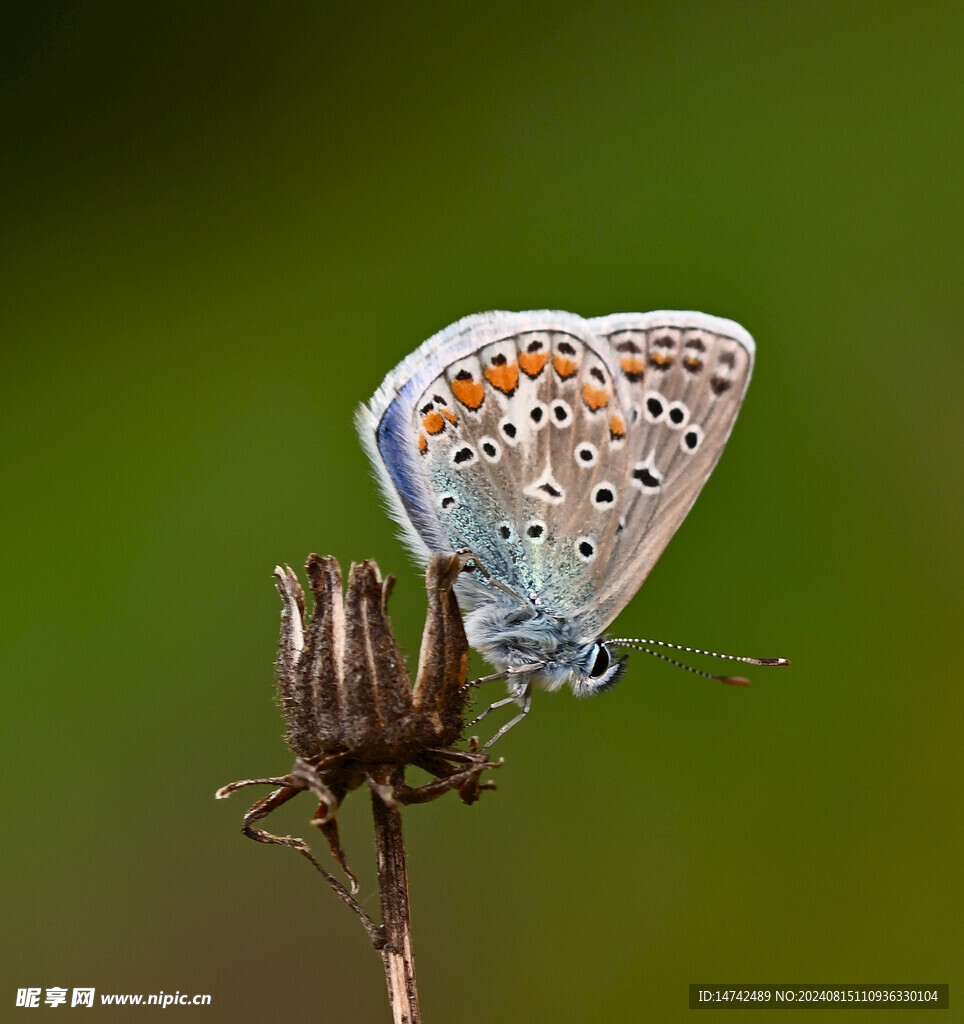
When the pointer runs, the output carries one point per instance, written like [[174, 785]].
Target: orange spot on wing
[[505, 377], [594, 398], [422, 443], [564, 367], [433, 422], [617, 427], [449, 415], [532, 363], [632, 366], [471, 393], [693, 363], [660, 359]]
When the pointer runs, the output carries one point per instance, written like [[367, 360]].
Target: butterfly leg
[[495, 705], [472, 683], [526, 704]]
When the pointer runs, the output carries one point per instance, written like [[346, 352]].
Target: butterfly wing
[[505, 434], [681, 377], [564, 452]]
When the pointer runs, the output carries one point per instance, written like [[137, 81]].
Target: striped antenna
[[637, 644]]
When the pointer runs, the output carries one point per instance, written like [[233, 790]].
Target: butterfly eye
[[604, 671], [601, 662]]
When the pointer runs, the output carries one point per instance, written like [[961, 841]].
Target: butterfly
[[564, 453]]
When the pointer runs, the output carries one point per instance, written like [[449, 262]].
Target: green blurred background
[[223, 224]]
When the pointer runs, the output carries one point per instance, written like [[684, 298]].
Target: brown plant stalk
[[352, 718]]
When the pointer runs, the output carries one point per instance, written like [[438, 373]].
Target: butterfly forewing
[[516, 440], [682, 378]]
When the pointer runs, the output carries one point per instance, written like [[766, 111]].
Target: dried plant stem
[[353, 718], [396, 917]]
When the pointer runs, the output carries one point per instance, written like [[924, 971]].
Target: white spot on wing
[[561, 412], [604, 496], [535, 531], [692, 438], [654, 407], [546, 488], [463, 455], [585, 548], [646, 476], [677, 416], [509, 428], [538, 415], [490, 448], [586, 454]]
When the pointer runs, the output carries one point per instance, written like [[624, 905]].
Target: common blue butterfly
[[564, 453]]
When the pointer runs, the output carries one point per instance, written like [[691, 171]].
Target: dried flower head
[[351, 715]]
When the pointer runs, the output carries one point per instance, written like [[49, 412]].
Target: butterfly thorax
[[538, 647]]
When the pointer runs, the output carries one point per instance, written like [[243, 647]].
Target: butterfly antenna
[[635, 644]]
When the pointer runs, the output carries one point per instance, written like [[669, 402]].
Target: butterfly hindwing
[[682, 377]]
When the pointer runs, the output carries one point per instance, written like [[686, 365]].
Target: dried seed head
[[352, 717], [342, 680], [350, 712]]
